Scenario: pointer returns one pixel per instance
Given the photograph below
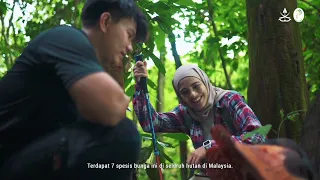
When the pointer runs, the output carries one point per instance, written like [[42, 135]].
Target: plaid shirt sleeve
[[244, 119], [163, 122]]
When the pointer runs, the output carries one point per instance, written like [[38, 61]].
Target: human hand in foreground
[[276, 159], [140, 70], [197, 156]]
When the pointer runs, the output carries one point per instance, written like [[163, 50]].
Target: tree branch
[[3, 32], [174, 50], [210, 8], [10, 19]]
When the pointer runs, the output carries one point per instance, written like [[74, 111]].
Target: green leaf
[[3, 7], [176, 136], [128, 80], [146, 137], [235, 65], [156, 61], [162, 157], [282, 114], [185, 2], [145, 154], [152, 84], [164, 24], [309, 55], [160, 39], [292, 115], [163, 144], [130, 91], [263, 130], [165, 155], [152, 173]]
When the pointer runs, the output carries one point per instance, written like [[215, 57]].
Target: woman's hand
[[140, 70], [197, 156]]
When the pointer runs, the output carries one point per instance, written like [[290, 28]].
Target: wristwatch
[[207, 144]]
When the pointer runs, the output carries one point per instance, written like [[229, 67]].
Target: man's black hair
[[118, 9]]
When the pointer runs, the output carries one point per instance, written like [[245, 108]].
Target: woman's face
[[193, 92]]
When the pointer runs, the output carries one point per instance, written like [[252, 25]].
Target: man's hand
[[197, 156], [140, 70]]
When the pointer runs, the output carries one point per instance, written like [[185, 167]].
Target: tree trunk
[[310, 140], [161, 83], [277, 76], [183, 144]]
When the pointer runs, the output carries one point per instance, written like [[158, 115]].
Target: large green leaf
[[130, 91], [153, 173], [176, 136], [162, 156], [156, 61], [165, 155], [185, 2], [160, 38], [145, 154], [146, 135], [3, 8], [152, 84], [163, 144], [263, 130], [128, 80], [163, 24]]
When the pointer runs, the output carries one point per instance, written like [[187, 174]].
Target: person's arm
[[163, 122], [244, 119], [98, 97]]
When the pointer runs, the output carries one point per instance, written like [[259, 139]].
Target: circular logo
[[298, 15]]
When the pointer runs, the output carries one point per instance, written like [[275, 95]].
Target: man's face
[[117, 42]]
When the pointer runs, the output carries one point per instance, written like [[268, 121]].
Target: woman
[[201, 104]]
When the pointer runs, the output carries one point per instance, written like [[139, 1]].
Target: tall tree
[[310, 135], [276, 75]]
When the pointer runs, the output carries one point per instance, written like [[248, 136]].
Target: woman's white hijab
[[214, 93]]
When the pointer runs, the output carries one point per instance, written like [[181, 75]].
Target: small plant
[[263, 131], [291, 117], [147, 156]]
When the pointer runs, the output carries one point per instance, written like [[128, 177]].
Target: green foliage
[[263, 131], [310, 34], [177, 136], [292, 116], [181, 18], [147, 152]]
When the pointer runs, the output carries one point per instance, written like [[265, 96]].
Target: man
[[60, 111]]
